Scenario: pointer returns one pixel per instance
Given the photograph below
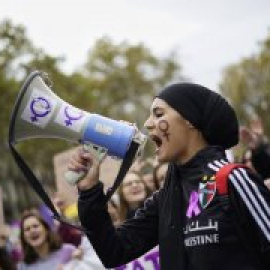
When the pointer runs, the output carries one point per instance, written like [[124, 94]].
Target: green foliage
[[247, 85], [124, 78], [17, 58], [14, 45], [117, 81]]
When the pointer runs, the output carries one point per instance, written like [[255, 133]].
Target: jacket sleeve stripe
[[224, 162], [258, 193], [213, 167], [251, 197], [220, 163], [217, 164]]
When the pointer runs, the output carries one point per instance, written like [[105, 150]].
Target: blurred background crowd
[[37, 241]]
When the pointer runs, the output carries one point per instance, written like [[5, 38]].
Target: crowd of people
[[45, 243], [50, 244]]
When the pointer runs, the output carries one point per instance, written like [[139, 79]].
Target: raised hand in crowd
[[6, 262], [257, 153]]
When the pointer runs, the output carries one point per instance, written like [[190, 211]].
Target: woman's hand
[[249, 138], [82, 160], [267, 183], [77, 253]]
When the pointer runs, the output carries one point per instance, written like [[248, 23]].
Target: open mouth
[[136, 192], [156, 140], [34, 237]]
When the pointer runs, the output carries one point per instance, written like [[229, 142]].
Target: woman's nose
[[148, 124], [133, 184]]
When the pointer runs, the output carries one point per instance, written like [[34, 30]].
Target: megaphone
[[40, 113]]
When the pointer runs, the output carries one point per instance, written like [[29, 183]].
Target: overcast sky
[[207, 34]]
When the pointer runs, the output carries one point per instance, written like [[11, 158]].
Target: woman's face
[[169, 131], [134, 190], [248, 159], [161, 174], [34, 232], [114, 213]]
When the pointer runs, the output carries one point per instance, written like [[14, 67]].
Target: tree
[[118, 81], [14, 44], [124, 78], [18, 57], [247, 85]]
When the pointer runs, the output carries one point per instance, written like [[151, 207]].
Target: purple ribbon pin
[[193, 207]]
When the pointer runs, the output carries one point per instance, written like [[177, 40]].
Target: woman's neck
[[133, 205], [43, 250], [193, 147]]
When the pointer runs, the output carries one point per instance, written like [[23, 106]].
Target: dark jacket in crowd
[[193, 236], [260, 159], [69, 234], [6, 262]]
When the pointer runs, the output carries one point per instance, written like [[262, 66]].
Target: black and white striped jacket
[[207, 240], [250, 199]]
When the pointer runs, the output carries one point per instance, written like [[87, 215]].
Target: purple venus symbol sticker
[[72, 115], [40, 107]]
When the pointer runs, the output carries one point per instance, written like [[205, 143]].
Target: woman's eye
[[158, 115]]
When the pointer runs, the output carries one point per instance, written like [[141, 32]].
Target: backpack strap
[[222, 177], [260, 260]]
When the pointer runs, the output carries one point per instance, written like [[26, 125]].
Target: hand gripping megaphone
[[39, 113]]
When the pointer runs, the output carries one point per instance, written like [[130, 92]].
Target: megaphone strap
[[31, 178], [36, 185], [126, 164]]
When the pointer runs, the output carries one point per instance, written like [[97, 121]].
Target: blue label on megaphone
[[113, 135]]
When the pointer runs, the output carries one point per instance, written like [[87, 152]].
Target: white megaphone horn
[[39, 113]]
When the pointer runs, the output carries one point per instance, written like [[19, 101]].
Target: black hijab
[[215, 118], [206, 110]]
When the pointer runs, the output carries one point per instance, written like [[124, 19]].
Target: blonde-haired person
[[159, 174], [145, 166], [132, 193]]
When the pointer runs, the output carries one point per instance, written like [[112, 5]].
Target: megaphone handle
[[73, 177]]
